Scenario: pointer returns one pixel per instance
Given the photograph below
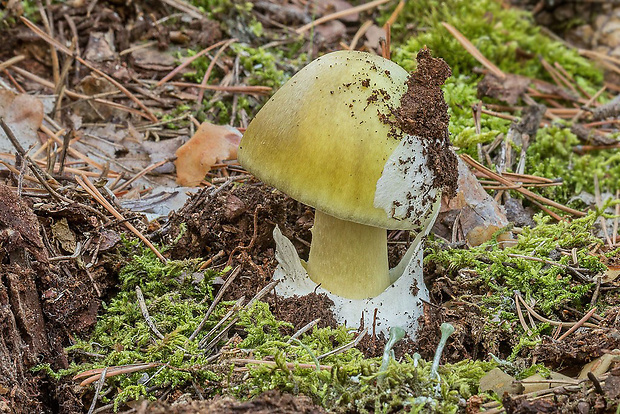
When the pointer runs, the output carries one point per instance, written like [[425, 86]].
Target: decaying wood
[[23, 336]]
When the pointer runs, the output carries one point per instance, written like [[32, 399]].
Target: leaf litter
[[102, 304]]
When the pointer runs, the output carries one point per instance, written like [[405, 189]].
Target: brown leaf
[[508, 89], [24, 115], [479, 215], [210, 144]]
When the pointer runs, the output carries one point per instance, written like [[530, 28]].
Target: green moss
[[26, 8], [460, 94], [261, 65], [356, 384], [550, 287], [503, 35], [551, 155], [177, 296], [217, 8]]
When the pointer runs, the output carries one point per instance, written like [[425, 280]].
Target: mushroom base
[[398, 305], [347, 258]]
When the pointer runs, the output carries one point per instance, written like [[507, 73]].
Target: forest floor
[[130, 282]]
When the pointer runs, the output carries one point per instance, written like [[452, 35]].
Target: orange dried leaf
[[210, 144]]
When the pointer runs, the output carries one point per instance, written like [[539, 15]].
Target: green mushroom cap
[[327, 140]]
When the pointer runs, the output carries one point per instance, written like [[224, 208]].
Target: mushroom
[[337, 137]]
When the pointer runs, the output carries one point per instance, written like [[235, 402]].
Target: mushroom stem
[[347, 258]]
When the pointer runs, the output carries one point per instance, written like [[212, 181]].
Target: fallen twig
[[346, 347], [98, 388], [474, 51], [188, 61], [497, 177], [93, 374], [578, 324], [571, 269], [145, 313], [303, 330], [290, 365], [215, 302], [147, 112], [205, 78], [85, 183], [549, 321]]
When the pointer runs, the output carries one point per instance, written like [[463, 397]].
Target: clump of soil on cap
[[423, 112]]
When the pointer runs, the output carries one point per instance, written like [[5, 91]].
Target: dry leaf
[[499, 382], [611, 274], [508, 89], [479, 215], [600, 365], [530, 384], [210, 144], [373, 35], [24, 115]]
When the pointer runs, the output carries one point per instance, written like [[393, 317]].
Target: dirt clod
[[423, 112], [302, 310]]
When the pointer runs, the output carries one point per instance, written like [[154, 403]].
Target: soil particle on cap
[[423, 112]]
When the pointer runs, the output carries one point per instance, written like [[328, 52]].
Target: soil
[[271, 402], [51, 289]]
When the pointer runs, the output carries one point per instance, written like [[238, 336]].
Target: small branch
[[205, 78], [578, 324], [188, 61], [290, 365], [10, 62], [215, 302], [147, 113], [141, 174], [392, 19], [497, 177], [549, 321], [474, 51], [345, 347], [360, 32], [36, 170], [304, 329], [85, 183], [93, 374], [98, 388], [145, 313], [571, 269], [203, 342], [526, 328]]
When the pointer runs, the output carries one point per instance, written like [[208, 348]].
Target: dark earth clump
[[423, 112], [235, 227], [577, 349], [302, 310]]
